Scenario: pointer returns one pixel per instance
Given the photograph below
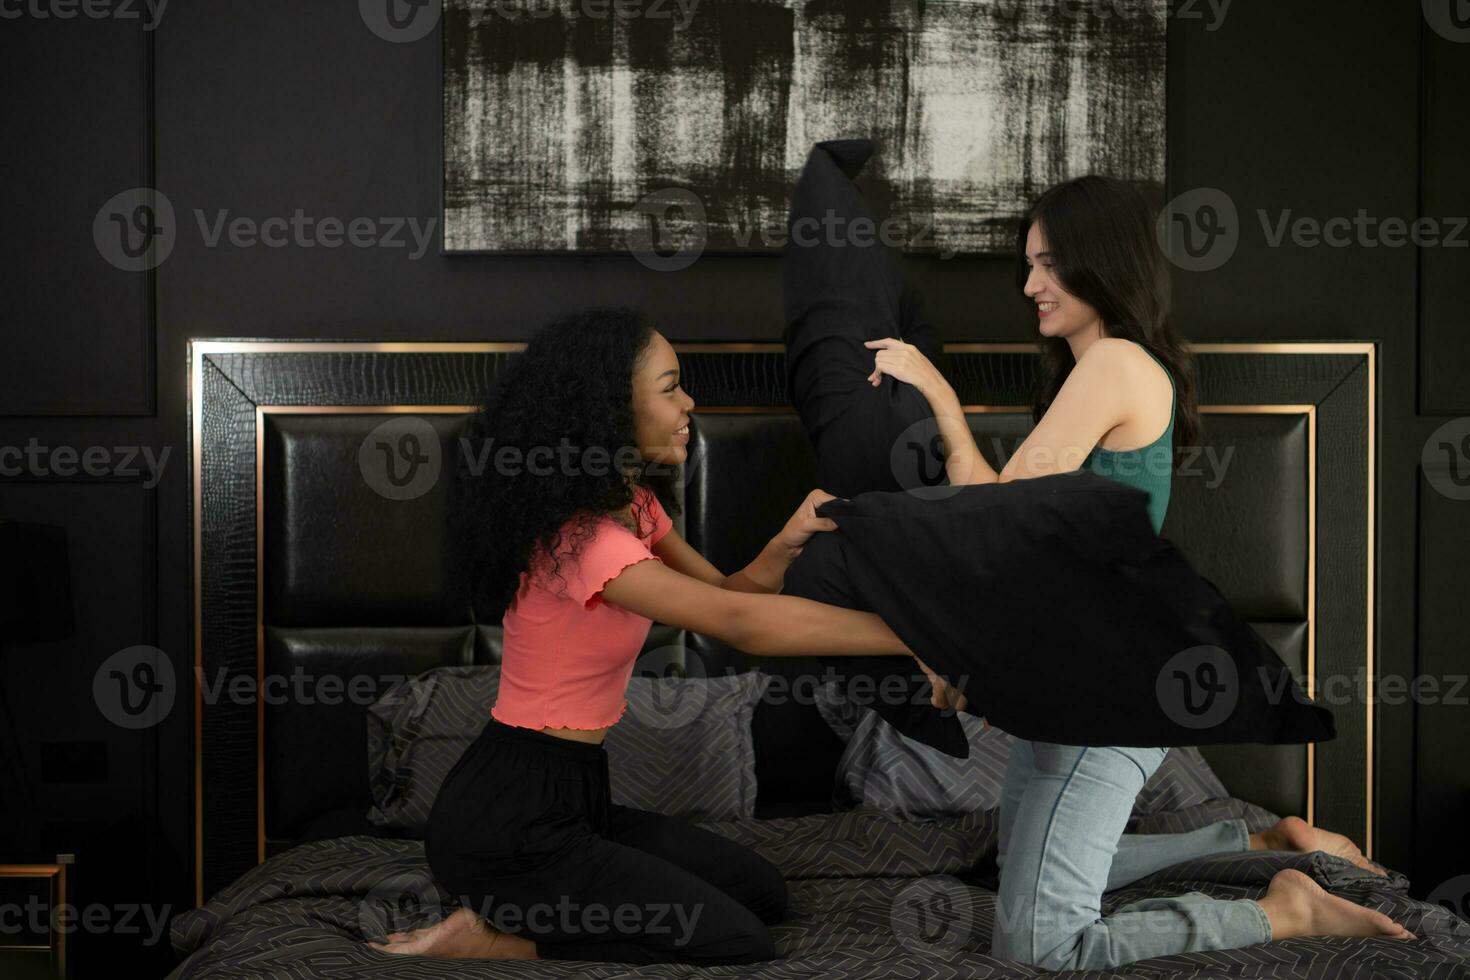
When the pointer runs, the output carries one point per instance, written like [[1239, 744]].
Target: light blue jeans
[[1062, 845]]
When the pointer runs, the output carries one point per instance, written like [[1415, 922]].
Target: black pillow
[[1070, 619], [820, 573]]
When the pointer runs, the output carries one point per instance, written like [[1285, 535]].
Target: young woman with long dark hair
[[1116, 395], [560, 512]]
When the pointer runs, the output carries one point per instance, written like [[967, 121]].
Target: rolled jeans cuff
[[1263, 920]]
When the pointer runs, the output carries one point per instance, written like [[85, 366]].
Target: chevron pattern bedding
[[872, 896], [884, 769]]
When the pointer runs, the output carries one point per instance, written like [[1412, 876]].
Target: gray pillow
[[683, 747], [881, 768]]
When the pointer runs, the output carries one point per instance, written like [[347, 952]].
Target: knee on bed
[[1039, 937], [758, 886], [767, 895], [1072, 950], [1066, 956]]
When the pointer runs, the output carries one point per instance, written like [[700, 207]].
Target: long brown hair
[[1100, 233]]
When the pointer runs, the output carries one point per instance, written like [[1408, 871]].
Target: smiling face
[[660, 405], [1059, 313]]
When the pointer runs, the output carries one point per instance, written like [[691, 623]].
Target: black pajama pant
[[525, 833]]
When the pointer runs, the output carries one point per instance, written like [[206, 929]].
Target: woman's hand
[[767, 573], [943, 696], [963, 463], [904, 362], [803, 524]]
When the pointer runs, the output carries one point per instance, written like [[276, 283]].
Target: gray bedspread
[[871, 896]]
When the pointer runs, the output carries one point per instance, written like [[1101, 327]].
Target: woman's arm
[[963, 463], [767, 573], [764, 625], [1097, 395]]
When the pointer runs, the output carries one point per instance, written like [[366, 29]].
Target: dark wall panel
[[1442, 790], [78, 331], [1444, 290], [1301, 112]]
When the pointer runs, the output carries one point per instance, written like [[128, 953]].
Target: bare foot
[[1297, 906], [1295, 834], [462, 935]]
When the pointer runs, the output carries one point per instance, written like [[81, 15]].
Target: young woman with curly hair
[[563, 528]]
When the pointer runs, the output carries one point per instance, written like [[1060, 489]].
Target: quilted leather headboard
[[351, 590]]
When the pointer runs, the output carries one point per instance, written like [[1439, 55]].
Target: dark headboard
[[315, 566]]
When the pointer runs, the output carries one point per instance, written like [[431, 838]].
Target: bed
[[305, 562]]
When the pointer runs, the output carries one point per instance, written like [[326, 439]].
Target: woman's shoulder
[[576, 532], [1148, 385], [582, 538], [644, 519], [652, 520], [1132, 358]]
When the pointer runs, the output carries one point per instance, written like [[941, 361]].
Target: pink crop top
[[568, 654]]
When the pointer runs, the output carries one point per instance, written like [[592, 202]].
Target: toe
[[1387, 926], [411, 948]]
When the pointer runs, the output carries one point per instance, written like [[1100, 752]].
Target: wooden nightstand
[[30, 944]]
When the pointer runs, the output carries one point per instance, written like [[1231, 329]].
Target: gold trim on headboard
[[199, 349], [728, 347], [202, 347], [1266, 347], [745, 410]]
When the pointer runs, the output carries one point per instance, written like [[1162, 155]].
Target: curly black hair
[[570, 393]]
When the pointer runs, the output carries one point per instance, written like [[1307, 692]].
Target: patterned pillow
[[683, 747], [1183, 779], [881, 768], [416, 732]]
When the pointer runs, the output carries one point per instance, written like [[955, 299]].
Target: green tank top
[[1148, 468]]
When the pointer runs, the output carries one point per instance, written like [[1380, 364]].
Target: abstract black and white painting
[[569, 123]]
